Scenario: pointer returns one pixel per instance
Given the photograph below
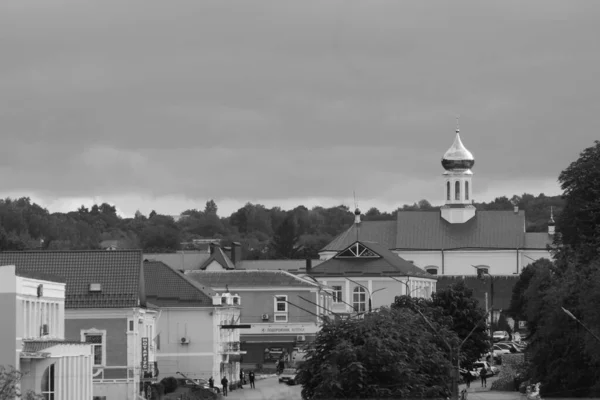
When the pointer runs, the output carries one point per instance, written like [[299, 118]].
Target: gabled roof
[[166, 287], [248, 278], [379, 262], [219, 256], [119, 272], [182, 260], [537, 240], [427, 230]]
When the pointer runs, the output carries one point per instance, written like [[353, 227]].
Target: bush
[[170, 384], [512, 365]]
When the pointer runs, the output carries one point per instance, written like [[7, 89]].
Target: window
[[359, 299], [457, 190], [432, 270], [466, 190], [448, 190], [98, 341], [48, 383], [130, 324], [281, 304], [337, 294]]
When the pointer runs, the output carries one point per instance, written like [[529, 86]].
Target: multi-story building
[[197, 330], [105, 306], [32, 337], [281, 311]]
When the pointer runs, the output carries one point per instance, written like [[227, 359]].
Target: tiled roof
[[389, 264], [33, 346], [503, 286], [537, 240], [247, 278], [166, 287], [40, 276], [119, 272], [292, 266], [182, 260], [427, 230], [219, 256]]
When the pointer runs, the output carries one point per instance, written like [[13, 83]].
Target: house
[[32, 337], [196, 333], [458, 239], [282, 310], [366, 276], [105, 306]]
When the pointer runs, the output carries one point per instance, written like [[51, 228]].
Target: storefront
[[268, 343]]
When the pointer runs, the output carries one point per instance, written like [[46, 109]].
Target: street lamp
[[408, 291], [368, 291], [580, 323], [481, 272]]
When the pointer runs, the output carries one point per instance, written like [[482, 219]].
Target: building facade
[[105, 307], [192, 338], [281, 311], [32, 337]]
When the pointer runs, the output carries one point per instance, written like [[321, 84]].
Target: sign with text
[[145, 354], [279, 329]]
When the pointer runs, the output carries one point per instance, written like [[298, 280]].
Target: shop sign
[[145, 354], [278, 329]]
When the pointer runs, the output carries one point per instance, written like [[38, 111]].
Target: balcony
[[230, 348]]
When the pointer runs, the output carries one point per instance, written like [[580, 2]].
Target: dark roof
[[427, 230], [503, 286], [182, 260], [537, 240], [166, 287], [291, 266], [40, 276], [119, 272], [33, 346], [389, 264], [247, 278], [219, 256]]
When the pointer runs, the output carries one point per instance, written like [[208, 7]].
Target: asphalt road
[[267, 389]]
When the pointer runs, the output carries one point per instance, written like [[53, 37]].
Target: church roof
[[427, 230], [379, 262]]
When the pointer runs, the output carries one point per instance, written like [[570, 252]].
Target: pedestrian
[[211, 383], [468, 377], [224, 382], [241, 378], [251, 378], [483, 375]]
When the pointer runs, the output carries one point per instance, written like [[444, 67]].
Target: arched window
[[457, 190], [359, 299], [466, 190], [448, 190], [48, 383]]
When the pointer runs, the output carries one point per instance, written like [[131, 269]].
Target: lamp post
[[408, 291], [481, 272], [580, 323], [368, 291]]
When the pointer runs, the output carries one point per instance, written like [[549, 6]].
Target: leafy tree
[[518, 305], [211, 208], [169, 384], [391, 353], [285, 241], [9, 386]]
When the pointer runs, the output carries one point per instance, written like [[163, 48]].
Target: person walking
[[468, 377], [251, 379], [483, 375], [224, 382], [241, 378], [211, 383]]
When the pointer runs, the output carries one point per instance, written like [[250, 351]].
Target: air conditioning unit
[[300, 338], [265, 317], [185, 340]]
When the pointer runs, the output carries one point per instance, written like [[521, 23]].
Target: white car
[[288, 376], [500, 335], [500, 350], [484, 364]]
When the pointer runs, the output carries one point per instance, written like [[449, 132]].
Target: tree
[[455, 308], [579, 222], [211, 207], [285, 240], [9, 385], [518, 304], [391, 353]]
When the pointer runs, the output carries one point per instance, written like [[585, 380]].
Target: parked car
[[500, 335], [500, 350], [509, 346], [288, 376]]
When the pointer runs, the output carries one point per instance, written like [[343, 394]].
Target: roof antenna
[[457, 123]]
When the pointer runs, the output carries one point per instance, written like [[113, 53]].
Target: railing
[[230, 347]]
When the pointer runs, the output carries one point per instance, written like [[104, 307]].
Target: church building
[[457, 239]]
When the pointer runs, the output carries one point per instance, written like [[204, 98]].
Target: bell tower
[[458, 185]]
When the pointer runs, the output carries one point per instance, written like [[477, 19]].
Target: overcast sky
[[165, 104]]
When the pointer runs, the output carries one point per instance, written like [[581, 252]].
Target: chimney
[[236, 253], [516, 209], [308, 266]]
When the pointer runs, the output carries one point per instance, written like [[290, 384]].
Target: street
[[267, 389]]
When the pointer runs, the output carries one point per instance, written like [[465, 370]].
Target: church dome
[[457, 156]]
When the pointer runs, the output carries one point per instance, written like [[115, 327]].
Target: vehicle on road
[[500, 350], [500, 336], [288, 376]]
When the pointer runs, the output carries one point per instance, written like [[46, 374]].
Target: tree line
[[263, 232]]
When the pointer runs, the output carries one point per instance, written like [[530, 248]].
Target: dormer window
[[358, 250], [223, 300], [95, 287]]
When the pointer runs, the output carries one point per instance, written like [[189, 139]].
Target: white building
[[32, 337]]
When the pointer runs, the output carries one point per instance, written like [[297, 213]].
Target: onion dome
[[458, 157]]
